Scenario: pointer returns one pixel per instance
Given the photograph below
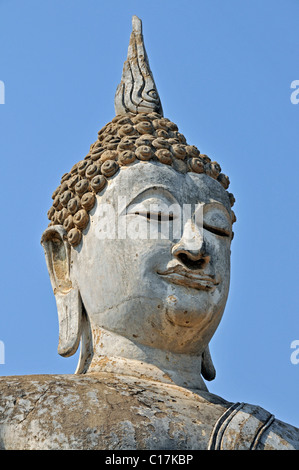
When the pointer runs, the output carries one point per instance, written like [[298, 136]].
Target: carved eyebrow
[[159, 191]]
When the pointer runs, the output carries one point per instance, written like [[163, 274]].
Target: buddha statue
[[138, 252]]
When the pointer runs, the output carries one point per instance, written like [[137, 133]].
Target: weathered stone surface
[[111, 411]]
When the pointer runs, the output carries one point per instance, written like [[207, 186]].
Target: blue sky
[[224, 72]]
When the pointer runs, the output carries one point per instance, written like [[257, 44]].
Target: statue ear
[[68, 300], [207, 367]]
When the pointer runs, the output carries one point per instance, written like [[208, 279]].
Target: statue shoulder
[[249, 427], [102, 411]]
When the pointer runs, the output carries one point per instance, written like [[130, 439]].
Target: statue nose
[[191, 249]]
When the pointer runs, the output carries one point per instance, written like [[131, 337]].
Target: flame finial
[[137, 92]]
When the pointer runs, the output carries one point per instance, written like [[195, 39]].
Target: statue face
[[154, 263]]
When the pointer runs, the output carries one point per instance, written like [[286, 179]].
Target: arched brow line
[[217, 205], [152, 190]]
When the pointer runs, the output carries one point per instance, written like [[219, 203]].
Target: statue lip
[[178, 274]]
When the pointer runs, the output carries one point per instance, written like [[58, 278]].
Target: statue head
[[140, 230]]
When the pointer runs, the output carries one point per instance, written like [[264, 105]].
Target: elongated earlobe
[[67, 295], [207, 367], [86, 349], [69, 307]]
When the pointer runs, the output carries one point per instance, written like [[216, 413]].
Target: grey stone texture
[[106, 411]]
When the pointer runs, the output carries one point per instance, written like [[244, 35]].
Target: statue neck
[[116, 354]]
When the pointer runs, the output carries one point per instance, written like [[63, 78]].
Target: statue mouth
[[185, 277]]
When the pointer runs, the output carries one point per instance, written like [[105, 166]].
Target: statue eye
[[216, 222], [158, 216], [155, 209]]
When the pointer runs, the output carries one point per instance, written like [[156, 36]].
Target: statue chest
[[101, 412], [104, 411]]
